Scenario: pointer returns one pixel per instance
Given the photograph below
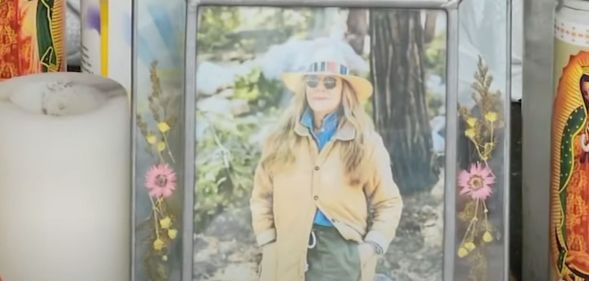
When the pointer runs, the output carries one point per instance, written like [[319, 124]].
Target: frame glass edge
[[417, 4], [189, 122]]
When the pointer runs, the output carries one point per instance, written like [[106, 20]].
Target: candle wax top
[[59, 95]]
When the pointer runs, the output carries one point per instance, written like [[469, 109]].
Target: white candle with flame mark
[[65, 192]]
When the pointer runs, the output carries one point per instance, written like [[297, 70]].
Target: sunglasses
[[312, 81]]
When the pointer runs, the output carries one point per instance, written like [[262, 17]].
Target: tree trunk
[[357, 23], [400, 107], [430, 26]]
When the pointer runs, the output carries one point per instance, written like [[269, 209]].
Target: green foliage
[[435, 56], [216, 22], [435, 64], [435, 104], [270, 26], [242, 32], [259, 92], [225, 164], [226, 154]]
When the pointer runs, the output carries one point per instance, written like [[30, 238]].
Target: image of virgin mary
[[570, 178]]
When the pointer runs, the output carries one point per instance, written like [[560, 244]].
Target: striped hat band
[[329, 67]]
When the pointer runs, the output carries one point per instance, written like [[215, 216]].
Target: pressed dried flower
[[160, 180]]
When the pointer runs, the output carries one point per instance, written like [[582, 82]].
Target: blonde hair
[[280, 145]]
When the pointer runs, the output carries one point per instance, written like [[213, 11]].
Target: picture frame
[[466, 148]]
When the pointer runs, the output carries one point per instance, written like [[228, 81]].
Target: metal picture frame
[[451, 9]]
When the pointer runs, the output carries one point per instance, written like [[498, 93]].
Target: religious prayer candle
[[65, 193], [31, 37], [106, 39], [569, 229]]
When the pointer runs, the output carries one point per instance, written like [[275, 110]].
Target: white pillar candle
[[65, 193]]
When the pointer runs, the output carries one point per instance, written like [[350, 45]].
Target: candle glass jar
[[569, 235]]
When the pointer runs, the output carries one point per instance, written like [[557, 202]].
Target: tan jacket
[[283, 204]]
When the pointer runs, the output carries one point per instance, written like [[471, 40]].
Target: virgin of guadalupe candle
[[569, 228], [31, 37], [65, 192]]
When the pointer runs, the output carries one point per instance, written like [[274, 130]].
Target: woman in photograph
[[324, 203]]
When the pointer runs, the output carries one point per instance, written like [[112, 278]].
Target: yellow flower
[[172, 233], [471, 121], [163, 127], [166, 222], [158, 244], [470, 133], [470, 246], [487, 237], [489, 146], [151, 139], [491, 116], [161, 146], [462, 252]]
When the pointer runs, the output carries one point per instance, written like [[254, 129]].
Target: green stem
[[155, 218], [485, 210], [168, 148], [471, 224], [476, 145], [475, 220]]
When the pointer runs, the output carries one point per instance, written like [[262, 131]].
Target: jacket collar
[[330, 122], [345, 132]]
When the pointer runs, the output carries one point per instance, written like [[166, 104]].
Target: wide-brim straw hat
[[295, 82]]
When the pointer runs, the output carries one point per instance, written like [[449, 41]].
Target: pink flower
[[476, 182], [160, 180]]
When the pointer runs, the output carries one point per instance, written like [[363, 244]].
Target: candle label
[[106, 39], [31, 37], [570, 172], [571, 33], [569, 38]]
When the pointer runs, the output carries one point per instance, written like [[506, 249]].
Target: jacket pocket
[[347, 231], [267, 268]]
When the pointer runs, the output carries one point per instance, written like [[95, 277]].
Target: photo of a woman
[[324, 203], [320, 144]]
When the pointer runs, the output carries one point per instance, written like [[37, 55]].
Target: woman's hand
[[365, 251]]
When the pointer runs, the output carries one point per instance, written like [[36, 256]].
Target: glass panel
[[247, 114], [158, 99], [483, 136]]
